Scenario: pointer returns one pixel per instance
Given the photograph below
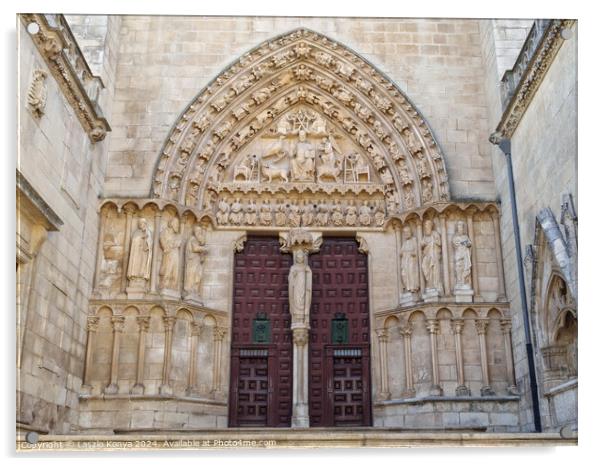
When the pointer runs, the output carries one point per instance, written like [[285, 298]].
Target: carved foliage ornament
[[339, 92]]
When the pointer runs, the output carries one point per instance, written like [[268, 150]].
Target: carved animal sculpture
[[271, 171]]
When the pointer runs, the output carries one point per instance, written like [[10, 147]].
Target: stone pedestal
[[137, 389], [136, 288], [463, 294], [431, 295], [408, 298], [172, 294], [462, 390]]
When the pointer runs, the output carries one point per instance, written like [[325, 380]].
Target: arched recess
[[259, 105]]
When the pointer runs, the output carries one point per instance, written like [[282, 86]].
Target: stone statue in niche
[[431, 260], [196, 251], [251, 213], [110, 269], [280, 215], [462, 262], [337, 214], [427, 190], [302, 164], [170, 241], [307, 216], [265, 213], [294, 216], [299, 288], [379, 215], [236, 212], [139, 264], [351, 214], [409, 265], [223, 212], [322, 215], [365, 214], [331, 164]]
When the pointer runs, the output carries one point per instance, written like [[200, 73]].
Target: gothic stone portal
[[339, 369]]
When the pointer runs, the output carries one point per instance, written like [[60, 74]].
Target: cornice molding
[[70, 69], [532, 77]]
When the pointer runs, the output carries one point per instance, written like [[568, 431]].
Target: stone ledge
[[563, 387], [287, 438], [431, 399], [188, 399]]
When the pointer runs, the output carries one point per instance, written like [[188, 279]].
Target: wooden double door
[[339, 351]]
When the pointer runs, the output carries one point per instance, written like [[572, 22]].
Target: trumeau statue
[[170, 241], [431, 256], [462, 262], [409, 261], [196, 251], [299, 288], [139, 265]]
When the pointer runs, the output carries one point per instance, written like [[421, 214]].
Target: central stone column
[[300, 376], [300, 243]]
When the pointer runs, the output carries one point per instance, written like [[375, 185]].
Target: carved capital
[[506, 325], [219, 333], [482, 325], [406, 331], [457, 325], [239, 244], [195, 329], [143, 323], [300, 238], [169, 322], [300, 336], [363, 244], [432, 326], [92, 324], [382, 334], [118, 323]]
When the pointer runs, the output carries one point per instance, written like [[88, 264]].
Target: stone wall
[[165, 61], [66, 170], [544, 153]]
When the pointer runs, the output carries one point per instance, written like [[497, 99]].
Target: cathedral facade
[[296, 222]]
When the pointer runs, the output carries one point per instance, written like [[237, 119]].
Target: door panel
[[340, 289], [261, 289]]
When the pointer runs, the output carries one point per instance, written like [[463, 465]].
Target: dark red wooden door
[[261, 381], [339, 379]]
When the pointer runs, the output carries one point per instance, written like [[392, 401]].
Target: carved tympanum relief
[[301, 112]]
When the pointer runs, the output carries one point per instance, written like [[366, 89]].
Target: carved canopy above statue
[[301, 120]]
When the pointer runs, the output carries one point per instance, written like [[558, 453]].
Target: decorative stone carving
[[462, 262], [36, 95], [68, 66], [196, 251], [110, 269], [139, 265], [431, 260], [170, 241], [354, 108], [299, 289], [409, 266]]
